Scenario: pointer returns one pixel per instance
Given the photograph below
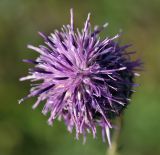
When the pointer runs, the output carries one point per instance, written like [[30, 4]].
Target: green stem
[[115, 138]]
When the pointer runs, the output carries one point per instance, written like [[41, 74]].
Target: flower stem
[[115, 138]]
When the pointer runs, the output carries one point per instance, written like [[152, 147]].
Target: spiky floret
[[85, 81]]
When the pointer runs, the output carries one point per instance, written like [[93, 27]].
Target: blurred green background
[[24, 131]]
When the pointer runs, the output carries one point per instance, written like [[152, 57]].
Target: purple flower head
[[85, 81]]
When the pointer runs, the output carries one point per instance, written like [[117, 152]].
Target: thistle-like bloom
[[84, 80]]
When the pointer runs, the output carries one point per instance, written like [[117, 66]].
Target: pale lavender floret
[[86, 81]]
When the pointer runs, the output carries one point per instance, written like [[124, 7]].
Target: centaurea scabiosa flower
[[85, 81]]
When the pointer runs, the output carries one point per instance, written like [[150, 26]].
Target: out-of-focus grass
[[24, 131]]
